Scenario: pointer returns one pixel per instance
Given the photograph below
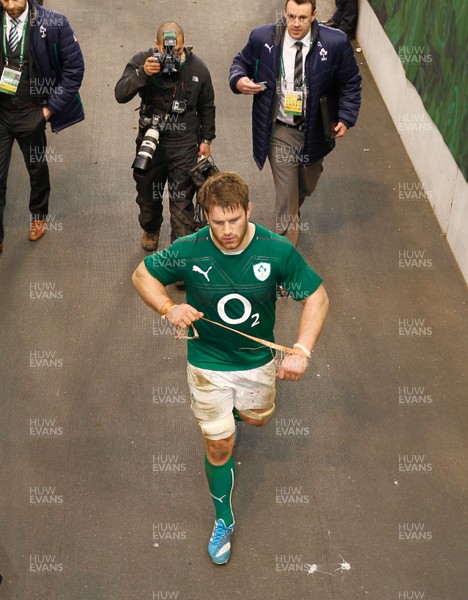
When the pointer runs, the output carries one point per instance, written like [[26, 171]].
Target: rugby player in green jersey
[[232, 269]]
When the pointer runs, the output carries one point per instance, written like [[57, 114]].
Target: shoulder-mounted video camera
[[168, 58]]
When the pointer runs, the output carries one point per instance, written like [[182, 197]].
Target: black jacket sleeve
[[206, 107], [133, 78]]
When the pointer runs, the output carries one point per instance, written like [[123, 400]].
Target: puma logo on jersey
[[197, 269], [270, 48], [219, 499]]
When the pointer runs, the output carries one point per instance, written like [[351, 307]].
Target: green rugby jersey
[[238, 290]]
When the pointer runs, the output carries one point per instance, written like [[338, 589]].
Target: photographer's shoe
[[219, 546], [150, 241]]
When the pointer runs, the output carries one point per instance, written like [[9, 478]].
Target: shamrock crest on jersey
[[262, 271]]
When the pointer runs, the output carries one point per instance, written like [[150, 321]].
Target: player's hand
[[292, 368], [247, 86], [183, 315], [151, 66], [340, 129]]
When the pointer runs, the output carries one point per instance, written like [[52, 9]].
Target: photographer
[[175, 87]]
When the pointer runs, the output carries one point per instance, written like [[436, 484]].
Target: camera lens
[[146, 151]]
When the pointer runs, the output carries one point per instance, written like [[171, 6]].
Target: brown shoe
[[1, 246], [150, 241], [37, 229]]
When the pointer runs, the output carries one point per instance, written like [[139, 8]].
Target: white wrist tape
[[303, 348]]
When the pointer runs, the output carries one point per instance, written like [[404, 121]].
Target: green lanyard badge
[[4, 43]]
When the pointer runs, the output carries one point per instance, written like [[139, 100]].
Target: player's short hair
[[169, 26], [312, 2], [224, 189]]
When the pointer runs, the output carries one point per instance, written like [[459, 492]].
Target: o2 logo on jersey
[[247, 310]]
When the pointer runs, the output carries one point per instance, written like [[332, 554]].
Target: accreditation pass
[[9, 80]]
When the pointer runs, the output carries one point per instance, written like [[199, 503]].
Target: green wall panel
[[430, 37]]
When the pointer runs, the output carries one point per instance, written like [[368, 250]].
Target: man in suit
[[288, 67], [41, 69]]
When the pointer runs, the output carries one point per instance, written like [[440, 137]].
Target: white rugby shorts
[[215, 393]]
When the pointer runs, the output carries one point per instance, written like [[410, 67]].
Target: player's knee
[[219, 451], [257, 417], [255, 422], [218, 429]]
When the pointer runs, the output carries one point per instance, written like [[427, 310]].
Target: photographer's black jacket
[[192, 84]]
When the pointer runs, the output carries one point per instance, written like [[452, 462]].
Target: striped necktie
[[298, 78], [298, 67], [14, 34]]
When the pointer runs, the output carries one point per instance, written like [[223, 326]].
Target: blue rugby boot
[[219, 546]]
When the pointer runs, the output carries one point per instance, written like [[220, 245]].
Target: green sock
[[221, 482], [235, 412]]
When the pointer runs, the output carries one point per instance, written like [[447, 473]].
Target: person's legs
[[29, 130], [212, 404], [181, 190], [150, 188], [346, 16], [220, 473], [285, 157], [308, 179], [255, 394], [213, 394], [6, 143]]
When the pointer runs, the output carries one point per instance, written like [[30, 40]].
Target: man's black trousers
[[346, 15], [27, 127], [170, 165]]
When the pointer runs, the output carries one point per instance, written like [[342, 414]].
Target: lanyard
[[23, 43]]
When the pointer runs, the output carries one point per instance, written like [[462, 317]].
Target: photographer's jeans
[[170, 165]]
